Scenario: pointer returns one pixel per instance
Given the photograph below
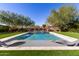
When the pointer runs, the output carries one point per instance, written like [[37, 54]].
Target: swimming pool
[[36, 39], [38, 36]]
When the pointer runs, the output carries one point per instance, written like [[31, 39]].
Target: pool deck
[[64, 37], [42, 44], [40, 48], [7, 38]]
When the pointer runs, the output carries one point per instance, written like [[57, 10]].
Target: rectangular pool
[[38, 36], [36, 39]]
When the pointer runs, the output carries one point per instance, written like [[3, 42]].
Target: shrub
[[4, 28]]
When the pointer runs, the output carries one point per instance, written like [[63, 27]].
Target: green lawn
[[3, 35], [40, 53], [71, 34]]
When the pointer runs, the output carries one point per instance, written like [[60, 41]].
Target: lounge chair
[[3, 44], [17, 43], [71, 44], [66, 43], [7, 44], [61, 41]]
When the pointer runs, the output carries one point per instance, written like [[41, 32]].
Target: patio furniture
[[3, 44], [7, 44], [66, 43]]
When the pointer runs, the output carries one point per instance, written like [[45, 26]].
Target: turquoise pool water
[[38, 36]]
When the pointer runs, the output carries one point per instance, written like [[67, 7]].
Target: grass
[[40, 53], [3, 35], [71, 34]]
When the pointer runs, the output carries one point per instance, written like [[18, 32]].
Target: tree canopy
[[15, 20], [64, 17]]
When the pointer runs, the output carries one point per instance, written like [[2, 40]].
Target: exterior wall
[[47, 28], [55, 29]]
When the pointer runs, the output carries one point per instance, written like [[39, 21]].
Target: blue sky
[[38, 12]]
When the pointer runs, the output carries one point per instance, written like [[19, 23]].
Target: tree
[[14, 20], [63, 17]]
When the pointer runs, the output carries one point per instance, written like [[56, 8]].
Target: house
[[53, 28]]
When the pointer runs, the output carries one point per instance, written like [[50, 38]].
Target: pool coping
[[64, 37], [7, 38]]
